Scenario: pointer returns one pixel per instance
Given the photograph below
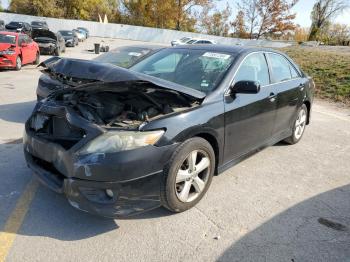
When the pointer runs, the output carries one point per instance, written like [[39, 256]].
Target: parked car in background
[[39, 25], [125, 56], [180, 41], [70, 37], [2, 25], [49, 42], [87, 33], [17, 49], [123, 141], [80, 34], [20, 27], [195, 41]]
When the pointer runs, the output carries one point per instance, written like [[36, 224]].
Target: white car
[[181, 41], [195, 41]]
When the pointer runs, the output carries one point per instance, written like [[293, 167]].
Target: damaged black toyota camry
[[118, 142]]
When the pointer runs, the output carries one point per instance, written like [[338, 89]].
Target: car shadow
[[317, 229], [16, 112]]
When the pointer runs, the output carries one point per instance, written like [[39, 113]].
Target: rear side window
[[254, 68], [282, 70]]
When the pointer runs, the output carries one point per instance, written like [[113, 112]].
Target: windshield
[[198, 69], [191, 41], [66, 33], [8, 39], [124, 56]]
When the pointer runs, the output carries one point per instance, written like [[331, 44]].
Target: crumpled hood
[[42, 33], [93, 70]]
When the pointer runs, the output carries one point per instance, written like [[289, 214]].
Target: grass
[[329, 69]]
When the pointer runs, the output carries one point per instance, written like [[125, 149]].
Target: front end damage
[[110, 183]]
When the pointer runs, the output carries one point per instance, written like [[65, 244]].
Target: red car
[[17, 49]]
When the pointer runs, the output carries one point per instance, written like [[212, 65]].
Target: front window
[[123, 57], [198, 69], [8, 39], [254, 68]]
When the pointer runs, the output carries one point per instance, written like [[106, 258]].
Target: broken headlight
[[115, 141]]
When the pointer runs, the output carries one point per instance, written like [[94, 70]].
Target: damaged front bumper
[[111, 185]]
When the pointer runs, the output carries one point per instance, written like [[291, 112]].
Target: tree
[[322, 12], [301, 34], [184, 11], [268, 17], [216, 23], [239, 26]]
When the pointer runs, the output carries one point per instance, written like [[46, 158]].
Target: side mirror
[[245, 87]]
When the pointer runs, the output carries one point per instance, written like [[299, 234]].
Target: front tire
[[18, 63], [188, 175], [299, 126]]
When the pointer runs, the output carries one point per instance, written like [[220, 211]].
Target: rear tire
[[298, 126], [188, 175], [18, 63]]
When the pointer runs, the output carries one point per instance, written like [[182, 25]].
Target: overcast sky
[[303, 9]]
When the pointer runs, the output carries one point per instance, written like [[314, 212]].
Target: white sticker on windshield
[[134, 54], [216, 55]]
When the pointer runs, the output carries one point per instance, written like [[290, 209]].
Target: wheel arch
[[212, 140]]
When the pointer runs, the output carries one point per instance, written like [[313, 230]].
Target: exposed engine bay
[[125, 107]]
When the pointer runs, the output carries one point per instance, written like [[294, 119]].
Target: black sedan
[[124, 56], [39, 25], [20, 27], [126, 141], [70, 38]]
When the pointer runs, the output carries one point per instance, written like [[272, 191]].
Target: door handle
[[301, 87], [272, 97]]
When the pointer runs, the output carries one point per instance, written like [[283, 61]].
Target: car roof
[[224, 48]]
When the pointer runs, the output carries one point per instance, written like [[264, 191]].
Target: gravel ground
[[286, 203]]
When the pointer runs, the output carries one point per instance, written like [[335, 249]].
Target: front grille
[[55, 129]]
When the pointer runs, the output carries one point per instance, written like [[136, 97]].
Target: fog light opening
[[109, 193]]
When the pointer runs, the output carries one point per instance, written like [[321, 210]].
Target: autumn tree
[[322, 12], [301, 34], [268, 17], [217, 22], [239, 26], [184, 11]]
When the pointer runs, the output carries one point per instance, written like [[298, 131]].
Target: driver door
[[249, 118]]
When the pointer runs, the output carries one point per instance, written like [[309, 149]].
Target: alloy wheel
[[192, 176], [300, 124]]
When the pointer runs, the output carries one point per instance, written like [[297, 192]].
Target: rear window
[[7, 39]]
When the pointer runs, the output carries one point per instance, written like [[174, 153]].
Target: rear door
[[249, 118], [289, 87]]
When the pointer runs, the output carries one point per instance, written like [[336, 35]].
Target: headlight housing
[[116, 141], [7, 52]]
